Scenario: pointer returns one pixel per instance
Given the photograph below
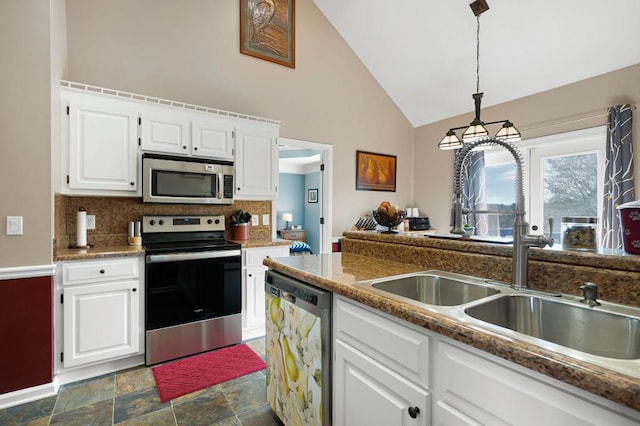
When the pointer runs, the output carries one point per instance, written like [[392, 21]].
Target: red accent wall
[[26, 333]]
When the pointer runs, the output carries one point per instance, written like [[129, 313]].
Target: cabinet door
[[471, 389], [101, 321], [256, 163], [253, 299], [367, 393], [102, 146], [165, 131], [255, 309], [212, 137]]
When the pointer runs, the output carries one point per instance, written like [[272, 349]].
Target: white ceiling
[[423, 52]]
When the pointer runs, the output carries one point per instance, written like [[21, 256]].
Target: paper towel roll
[[81, 228]]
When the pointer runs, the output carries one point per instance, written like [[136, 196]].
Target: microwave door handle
[[220, 186]]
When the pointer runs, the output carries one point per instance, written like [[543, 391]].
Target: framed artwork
[[312, 196], [375, 172], [267, 30]]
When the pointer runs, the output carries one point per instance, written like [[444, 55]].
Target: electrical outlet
[[255, 220], [91, 221], [265, 219]]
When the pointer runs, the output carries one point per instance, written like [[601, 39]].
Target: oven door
[[192, 286]]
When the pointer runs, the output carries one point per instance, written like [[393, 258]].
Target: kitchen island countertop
[[337, 272]]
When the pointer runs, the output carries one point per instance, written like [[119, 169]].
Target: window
[[563, 177]]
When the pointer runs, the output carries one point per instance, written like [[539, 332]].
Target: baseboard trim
[[27, 395]]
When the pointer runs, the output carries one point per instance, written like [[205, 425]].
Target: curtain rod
[[568, 120]]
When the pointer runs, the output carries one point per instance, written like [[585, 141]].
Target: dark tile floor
[[129, 397]]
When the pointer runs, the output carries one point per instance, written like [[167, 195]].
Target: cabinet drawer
[[97, 271], [394, 345], [294, 235], [255, 256]]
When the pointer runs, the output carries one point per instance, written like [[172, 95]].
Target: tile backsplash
[[114, 213]]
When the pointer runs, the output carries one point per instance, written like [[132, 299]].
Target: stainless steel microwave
[[168, 179]]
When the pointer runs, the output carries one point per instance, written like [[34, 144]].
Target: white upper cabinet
[[212, 137], [168, 130], [104, 132], [100, 145], [165, 130], [256, 162]]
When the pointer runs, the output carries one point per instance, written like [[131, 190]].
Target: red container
[[630, 220], [241, 231]]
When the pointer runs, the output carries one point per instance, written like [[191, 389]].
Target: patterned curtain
[[618, 175], [474, 194]]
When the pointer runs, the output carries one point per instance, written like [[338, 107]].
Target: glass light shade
[[508, 132], [475, 130], [450, 141], [287, 217]]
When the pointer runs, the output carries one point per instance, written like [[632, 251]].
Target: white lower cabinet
[[472, 388], [253, 308], [380, 371], [367, 393], [101, 303], [383, 367]]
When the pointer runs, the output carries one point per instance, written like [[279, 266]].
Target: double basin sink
[[608, 335]]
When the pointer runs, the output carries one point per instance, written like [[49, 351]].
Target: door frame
[[326, 193]]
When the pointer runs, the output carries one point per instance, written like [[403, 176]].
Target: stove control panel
[[182, 223]]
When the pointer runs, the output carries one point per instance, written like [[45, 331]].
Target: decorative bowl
[[389, 221]]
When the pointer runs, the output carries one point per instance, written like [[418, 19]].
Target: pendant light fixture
[[477, 128]]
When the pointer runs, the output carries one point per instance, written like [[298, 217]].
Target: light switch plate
[[14, 225], [265, 219], [255, 220]]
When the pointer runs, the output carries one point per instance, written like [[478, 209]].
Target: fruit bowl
[[384, 219]]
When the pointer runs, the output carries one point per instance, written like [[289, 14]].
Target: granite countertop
[[95, 252], [337, 272], [603, 258], [262, 242]]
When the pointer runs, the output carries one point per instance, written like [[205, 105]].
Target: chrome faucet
[[521, 240]]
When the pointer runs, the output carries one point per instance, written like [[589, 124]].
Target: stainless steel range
[[193, 286]]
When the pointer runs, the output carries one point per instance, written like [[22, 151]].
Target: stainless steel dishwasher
[[298, 339]]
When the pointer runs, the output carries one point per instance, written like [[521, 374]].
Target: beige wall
[[25, 131], [188, 50], [560, 110]]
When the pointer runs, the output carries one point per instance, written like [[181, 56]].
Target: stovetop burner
[[162, 234]]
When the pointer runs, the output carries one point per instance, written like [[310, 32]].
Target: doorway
[[306, 172]]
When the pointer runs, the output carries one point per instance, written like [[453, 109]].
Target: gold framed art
[[267, 30], [375, 172]]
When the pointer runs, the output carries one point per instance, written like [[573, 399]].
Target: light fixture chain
[[478, 54]]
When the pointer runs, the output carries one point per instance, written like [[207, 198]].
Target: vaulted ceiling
[[423, 52]]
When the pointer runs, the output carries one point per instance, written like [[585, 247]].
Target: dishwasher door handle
[[289, 297]]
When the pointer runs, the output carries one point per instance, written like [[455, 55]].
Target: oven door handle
[[173, 257]]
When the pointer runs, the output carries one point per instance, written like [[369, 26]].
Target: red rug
[[188, 375]]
